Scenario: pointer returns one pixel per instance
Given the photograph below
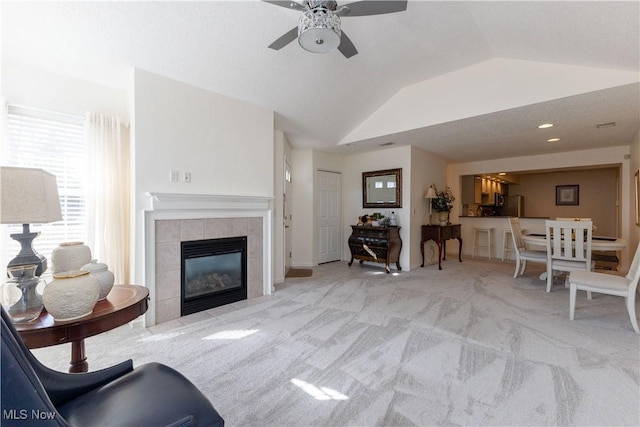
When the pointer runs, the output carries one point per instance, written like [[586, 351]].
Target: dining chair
[[608, 284], [568, 247], [522, 253], [593, 226]]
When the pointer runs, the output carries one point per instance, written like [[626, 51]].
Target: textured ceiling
[[319, 99]]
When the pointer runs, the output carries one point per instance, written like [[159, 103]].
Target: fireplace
[[213, 273]]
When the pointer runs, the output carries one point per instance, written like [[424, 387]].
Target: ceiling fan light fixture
[[319, 30]]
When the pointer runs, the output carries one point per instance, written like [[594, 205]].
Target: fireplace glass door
[[214, 273]]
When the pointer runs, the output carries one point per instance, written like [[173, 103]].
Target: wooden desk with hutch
[[376, 244], [440, 234]]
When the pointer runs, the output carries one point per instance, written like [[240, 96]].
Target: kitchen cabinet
[[471, 190]]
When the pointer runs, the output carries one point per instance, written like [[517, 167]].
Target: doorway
[[329, 216], [287, 216]]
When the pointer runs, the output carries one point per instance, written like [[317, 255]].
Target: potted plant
[[443, 204], [377, 217]]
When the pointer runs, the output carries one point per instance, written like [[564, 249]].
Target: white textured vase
[[443, 217], [70, 256], [71, 295], [101, 272]]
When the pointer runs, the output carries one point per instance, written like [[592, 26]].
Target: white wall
[[354, 165], [302, 230], [305, 164], [426, 169], [227, 145], [282, 153], [420, 169], [23, 85]]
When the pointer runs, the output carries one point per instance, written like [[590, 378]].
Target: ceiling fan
[[318, 29]]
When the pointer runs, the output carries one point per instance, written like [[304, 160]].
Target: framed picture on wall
[[567, 195]]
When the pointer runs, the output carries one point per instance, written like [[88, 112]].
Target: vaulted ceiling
[[324, 101]]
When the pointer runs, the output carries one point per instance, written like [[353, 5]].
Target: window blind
[[54, 142]]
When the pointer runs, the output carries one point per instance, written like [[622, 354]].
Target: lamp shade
[[319, 30], [29, 196], [431, 194]]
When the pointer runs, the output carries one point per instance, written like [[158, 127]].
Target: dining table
[[598, 243]]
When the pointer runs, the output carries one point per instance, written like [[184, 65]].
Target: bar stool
[[506, 247], [476, 240]]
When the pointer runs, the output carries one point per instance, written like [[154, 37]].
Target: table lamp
[[28, 196], [431, 194]]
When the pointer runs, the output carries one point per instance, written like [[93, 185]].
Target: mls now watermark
[[25, 414]]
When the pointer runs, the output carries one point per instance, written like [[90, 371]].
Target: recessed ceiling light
[[553, 140], [502, 173], [545, 125]]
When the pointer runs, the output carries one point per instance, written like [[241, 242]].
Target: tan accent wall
[[598, 196]]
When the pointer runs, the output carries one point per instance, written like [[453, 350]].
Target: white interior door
[[329, 216], [287, 217]]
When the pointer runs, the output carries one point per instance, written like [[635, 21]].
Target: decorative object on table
[[567, 195], [393, 221], [431, 194], [19, 294], [71, 295], [69, 256], [443, 217], [442, 203], [101, 272], [28, 196], [376, 219]]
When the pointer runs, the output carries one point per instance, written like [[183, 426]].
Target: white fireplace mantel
[[164, 206], [179, 201]]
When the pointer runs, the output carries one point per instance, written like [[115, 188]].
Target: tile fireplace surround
[[174, 218]]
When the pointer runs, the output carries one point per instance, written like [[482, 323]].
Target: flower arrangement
[[444, 200]]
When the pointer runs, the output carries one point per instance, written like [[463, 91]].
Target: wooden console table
[[123, 304], [377, 244], [440, 234]]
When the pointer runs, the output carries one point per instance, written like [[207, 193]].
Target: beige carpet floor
[[353, 346]]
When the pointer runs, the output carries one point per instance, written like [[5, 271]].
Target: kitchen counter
[[499, 224], [503, 216]]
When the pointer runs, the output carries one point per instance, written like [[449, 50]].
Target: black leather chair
[[149, 395]]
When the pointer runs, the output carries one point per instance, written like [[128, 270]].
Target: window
[[54, 142]]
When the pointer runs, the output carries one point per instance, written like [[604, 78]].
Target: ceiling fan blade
[[289, 4], [346, 46], [374, 7], [285, 39]]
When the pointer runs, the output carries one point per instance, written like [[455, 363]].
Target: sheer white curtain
[[108, 193]]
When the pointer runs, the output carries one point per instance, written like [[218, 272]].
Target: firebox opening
[[214, 273]]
